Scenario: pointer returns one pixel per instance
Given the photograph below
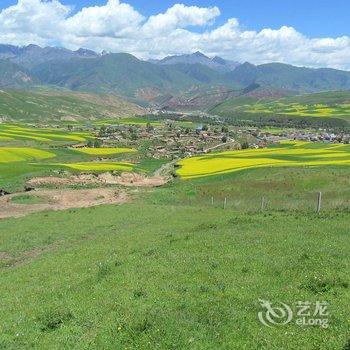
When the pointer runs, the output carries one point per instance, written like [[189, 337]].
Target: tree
[[97, 143], [224, 129], [245, 145], [102, 131], [149, 127], [90, 144], [224, 139]]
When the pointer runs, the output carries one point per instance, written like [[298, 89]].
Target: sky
[[304, 33]]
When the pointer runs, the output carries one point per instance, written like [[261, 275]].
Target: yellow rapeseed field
[[98, 166], [14, 131], [104, 151], [287, 154], [13, 154]]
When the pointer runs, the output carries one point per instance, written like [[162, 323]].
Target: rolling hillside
[[287, 77], [62, 105], [125, 75], [323, 107], [13, 75], [178, 79]]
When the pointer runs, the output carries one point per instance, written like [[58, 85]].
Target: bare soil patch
[[60, 200], [125, 179]]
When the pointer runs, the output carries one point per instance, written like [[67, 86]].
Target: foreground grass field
[[163, 276]]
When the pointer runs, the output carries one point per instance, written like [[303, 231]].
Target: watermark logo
[[274, 315], [304, 313]]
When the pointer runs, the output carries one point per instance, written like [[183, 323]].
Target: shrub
[[54, 319]]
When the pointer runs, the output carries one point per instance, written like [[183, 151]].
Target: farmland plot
[[288, 154]]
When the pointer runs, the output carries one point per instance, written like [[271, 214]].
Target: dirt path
[[60, 200]]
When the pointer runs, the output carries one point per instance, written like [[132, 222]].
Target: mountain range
[[216, 63], [181, 77]]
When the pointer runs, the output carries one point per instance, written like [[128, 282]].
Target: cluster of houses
[[310, 136], [174, 139], [168, 139]]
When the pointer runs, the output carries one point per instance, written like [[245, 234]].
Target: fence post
[[319, 202], [225, 202], [262, 203], [212, 200]]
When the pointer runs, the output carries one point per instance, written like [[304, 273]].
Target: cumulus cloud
[[180, 16], [113, 20], [117, 27]]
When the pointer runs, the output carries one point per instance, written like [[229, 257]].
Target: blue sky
[[313, 33], [315, 18]]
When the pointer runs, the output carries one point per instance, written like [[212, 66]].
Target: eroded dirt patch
[[125, 179], [60, 200]]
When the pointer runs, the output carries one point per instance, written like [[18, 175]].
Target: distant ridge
[[149, 81], [32, 55], [216, 62]]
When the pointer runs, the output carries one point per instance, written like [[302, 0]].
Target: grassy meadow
[[173, 268], [171, 271]]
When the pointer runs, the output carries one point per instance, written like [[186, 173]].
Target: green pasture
[[172, 271]]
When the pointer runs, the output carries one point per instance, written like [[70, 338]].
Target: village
[[173, 139]]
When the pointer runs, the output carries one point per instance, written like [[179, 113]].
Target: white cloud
[[33, 17], [180, 16], [118, 27], [114, 19]]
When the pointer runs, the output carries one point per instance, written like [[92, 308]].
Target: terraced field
[[324, 108], [104, 151], [17, 132], [97, 166], [299, 110], [289, 154], [9, 155], [18, 164]]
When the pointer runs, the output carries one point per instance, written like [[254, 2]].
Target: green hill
[[123, 74], [62, 105], [15, 76], [324, 107], [288, 77]]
